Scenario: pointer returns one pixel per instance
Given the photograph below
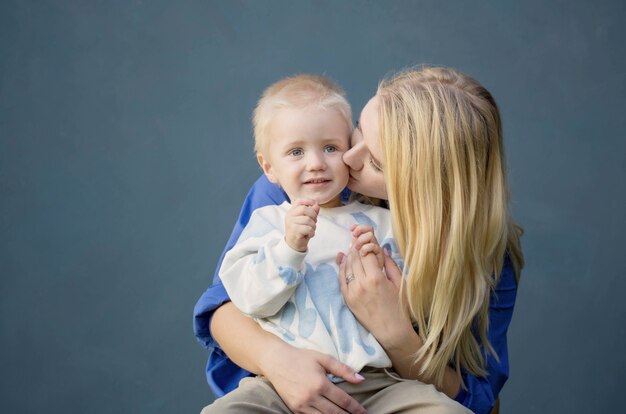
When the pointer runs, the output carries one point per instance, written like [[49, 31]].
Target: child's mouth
[[317, 182]]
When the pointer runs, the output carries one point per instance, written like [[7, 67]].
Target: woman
[[429, 142]]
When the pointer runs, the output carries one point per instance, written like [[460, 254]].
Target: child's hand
[[300, 223], [364, 241]]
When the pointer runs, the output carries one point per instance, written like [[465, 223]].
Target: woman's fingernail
[[359, 376]]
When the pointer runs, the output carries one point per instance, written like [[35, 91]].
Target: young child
[[282, 270]]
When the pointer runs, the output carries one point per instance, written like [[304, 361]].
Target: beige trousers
[[378, 394]]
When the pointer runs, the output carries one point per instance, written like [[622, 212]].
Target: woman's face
[[365, 156]]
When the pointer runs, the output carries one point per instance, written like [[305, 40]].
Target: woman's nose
[[352, 158]]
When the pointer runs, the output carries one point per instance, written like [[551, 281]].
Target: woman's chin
[[358, 187], [353, 185]]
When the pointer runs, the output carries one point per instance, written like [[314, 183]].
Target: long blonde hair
[[445, 173]]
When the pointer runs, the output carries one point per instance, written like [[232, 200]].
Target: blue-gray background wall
[[125, 153]]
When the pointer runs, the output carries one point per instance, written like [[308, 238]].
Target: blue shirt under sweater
[[223, 375]]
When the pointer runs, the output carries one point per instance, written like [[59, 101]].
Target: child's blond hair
[[299, 91]]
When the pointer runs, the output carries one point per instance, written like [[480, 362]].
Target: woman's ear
[[266, 167]]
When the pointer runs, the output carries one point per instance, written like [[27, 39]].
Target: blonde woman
[[429, 142]]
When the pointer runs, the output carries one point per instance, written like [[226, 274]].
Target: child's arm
[[261, 194], [261, 272]]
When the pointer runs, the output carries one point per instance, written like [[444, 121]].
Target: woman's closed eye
[[375, 166]]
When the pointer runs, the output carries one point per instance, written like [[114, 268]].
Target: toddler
[[282, 270]]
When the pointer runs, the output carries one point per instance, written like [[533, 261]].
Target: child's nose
[[316, 161]]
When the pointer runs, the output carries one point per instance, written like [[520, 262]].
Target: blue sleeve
[[481, 393], [222, 374]]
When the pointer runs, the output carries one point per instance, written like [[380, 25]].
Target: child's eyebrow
[[334, 139], [294, 143]]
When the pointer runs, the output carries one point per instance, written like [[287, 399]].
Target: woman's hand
[[299, 377], [373, 294]]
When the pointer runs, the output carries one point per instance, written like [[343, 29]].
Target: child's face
[[305, 154]]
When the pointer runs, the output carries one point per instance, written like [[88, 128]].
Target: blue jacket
[[223, 375]]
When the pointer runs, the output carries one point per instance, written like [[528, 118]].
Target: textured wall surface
[[126, 151]]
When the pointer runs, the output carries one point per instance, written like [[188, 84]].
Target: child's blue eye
[[330, 148], [296, 152]]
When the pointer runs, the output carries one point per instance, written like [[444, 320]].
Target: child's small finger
[[306, 231], [304, 220], [369, 248], [316, 208], [364, 239], [303, 210], [367, 237], [304, 202], [361, 228]]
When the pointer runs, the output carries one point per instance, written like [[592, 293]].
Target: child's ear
[[267, 168]]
